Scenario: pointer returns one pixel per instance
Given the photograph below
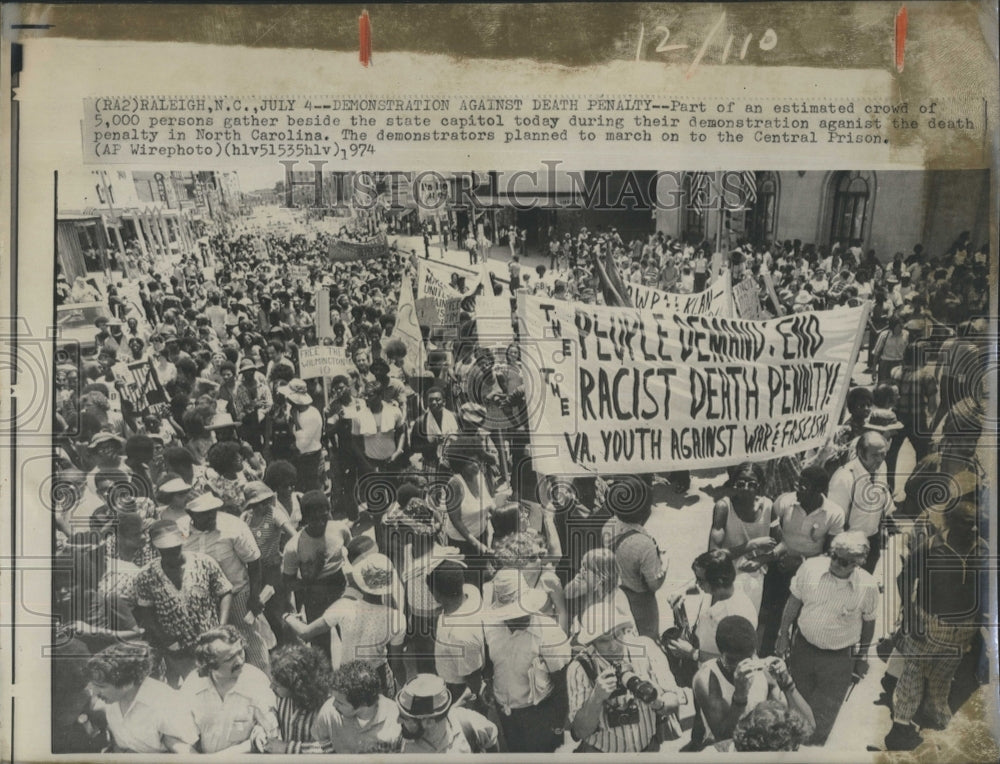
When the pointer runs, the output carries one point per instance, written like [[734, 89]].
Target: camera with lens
[[749, 665], [622, 716], [633, 683]]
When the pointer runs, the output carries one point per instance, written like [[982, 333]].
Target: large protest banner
[[342, 250], [746, 298], [715, 301], [323, 361], [634, 391]]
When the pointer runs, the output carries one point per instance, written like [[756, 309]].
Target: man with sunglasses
[[807, 524], [833, 603]]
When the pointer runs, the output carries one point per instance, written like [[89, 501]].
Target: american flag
[[704, 191], [748, 182], [700, 192]]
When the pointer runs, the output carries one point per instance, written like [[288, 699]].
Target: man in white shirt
[[861, 489], [307, 427], [460, 641], [834, 603], [529, 652], [143, 715], [378, 428], [232, 702], [230, 542]]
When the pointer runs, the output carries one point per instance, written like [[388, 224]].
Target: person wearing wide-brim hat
[[307, 428], [108, 451], [367, 623], [173, 495], [269, 524], [103, 440], [529, 652], [431, 724]]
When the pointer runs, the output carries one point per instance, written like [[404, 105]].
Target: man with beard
[[431, 724], [230, 542], [232, 703]]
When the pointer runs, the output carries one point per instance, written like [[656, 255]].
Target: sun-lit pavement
[[681, 526]]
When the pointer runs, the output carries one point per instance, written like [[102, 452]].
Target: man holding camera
[[620, 687]]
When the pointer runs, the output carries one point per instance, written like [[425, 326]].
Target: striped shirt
[[296, 727], [649, 662], [833, 608]]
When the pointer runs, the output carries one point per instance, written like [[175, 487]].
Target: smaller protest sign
[[769, 286], [746, 296], [139, 387], [298, 273], [714, 301], [437, 303], [323, 361]]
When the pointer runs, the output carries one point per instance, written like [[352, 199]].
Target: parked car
[[75, 324]]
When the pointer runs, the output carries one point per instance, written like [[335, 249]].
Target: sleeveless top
[[475, 509], [739, 532], [757, 693]]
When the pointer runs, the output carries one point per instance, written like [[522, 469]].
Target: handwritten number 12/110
[[768, 41]]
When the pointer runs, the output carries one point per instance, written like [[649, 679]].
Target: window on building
[[765, 210], [851, 200]]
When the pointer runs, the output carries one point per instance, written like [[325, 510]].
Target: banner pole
[[852, 361]]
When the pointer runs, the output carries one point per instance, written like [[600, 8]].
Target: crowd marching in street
[[253, 559]]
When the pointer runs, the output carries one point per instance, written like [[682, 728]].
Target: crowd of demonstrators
[[255, 561]]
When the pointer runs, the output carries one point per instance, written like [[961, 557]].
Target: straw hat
[[297, 392], [204, 503], [373, 574], [423, 697]]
